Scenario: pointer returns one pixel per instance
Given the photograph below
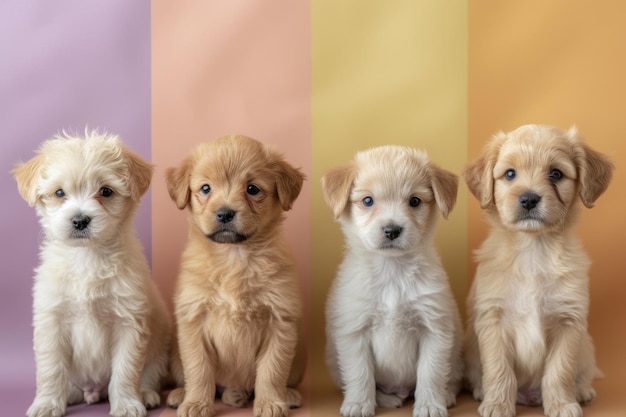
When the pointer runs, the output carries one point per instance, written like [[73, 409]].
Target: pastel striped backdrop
[[320, 80]]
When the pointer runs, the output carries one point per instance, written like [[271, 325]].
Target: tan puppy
[[237, 302], [527, 332], [100, 326], [393, 327]]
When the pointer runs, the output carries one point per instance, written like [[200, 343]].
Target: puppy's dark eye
[[59, 193], [555, 175], [510, 174], [253, 189], [414, 202], [205, 189], [368, 201], [106, 192]]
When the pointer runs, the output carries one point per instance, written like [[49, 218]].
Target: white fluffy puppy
[[393, 327], [100, 326]]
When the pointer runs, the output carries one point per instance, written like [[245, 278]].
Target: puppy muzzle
[[227, 234], [80, 227], [529, 210]]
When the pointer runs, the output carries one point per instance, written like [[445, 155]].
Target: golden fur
[[237, 303], [101, 328], [527, 333]]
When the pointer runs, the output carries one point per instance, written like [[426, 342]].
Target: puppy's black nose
[[224, 215], [529, 200], [392, 232], [80, 221]]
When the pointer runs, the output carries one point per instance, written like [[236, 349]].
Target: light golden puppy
[[527, 333], [237, 303], [100, 326], [393, 327]]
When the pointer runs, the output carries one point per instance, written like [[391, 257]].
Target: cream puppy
[[393, 327], [100, 326], [527, 333]]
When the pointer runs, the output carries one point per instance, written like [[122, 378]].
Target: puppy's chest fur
[[395, 327], [396, 296], [395, 306], [541, 289], [538, 285], [245, 306], [80, 283], [392, 306], [236, 300], [85, 291]]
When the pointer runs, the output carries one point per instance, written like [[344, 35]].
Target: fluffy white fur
[[393, 328], [100, 326], [527, 334]]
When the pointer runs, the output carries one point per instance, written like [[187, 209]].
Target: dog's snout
[[392, 232], [529, 200], [225, 215], [80, 221]]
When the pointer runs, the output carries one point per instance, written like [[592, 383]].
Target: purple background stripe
[[63, 65]]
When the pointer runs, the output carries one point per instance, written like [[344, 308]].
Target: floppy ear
[[336, 185], [177, 180], [445, 185], [26, 175], [288, 184], [478, 174], [140, 173], [595, 171]]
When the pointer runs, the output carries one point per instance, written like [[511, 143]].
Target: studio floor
[[610, 402]]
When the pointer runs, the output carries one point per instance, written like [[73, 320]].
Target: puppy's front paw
[[270, 409], [354, 409], [429, 411], [151, 398], [46, 408], [176, 397], [187, 409], [563, 410], [128, 407], [489, 409]]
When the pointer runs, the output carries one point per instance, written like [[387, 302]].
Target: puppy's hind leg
[[388, 400], [176, 397], [294, 398], [76, 395], [473, 369], [455, 380], [151, 382], [235, 397], [587, 372], [455, 383]]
